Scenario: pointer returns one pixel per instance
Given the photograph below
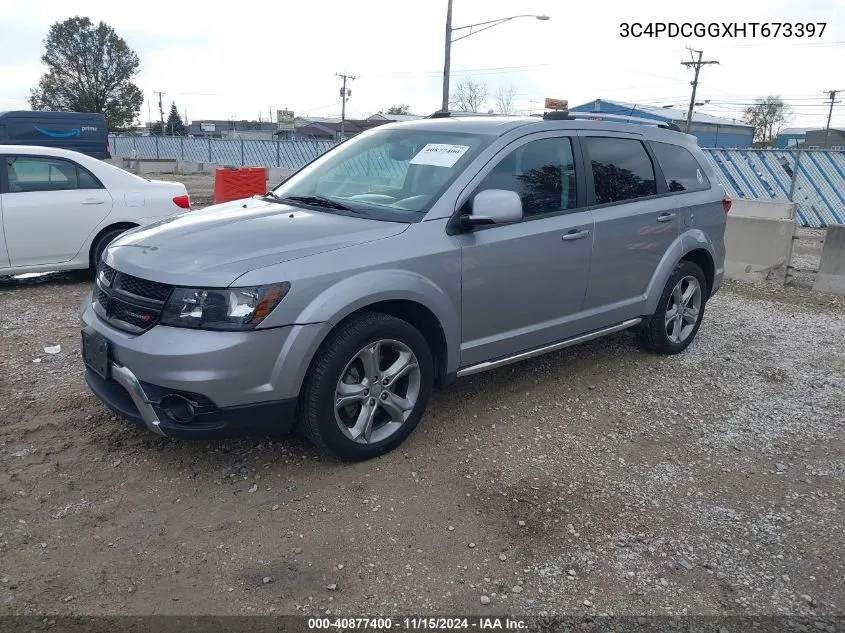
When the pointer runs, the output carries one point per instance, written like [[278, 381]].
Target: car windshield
[[386, 174]]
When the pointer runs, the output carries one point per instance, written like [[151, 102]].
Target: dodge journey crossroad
[[403, 258]]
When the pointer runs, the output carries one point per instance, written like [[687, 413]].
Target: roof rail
[[568, 115], [445, 114]]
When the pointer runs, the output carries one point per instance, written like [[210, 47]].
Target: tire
[[664, 333], [377, 417], [100, 245]]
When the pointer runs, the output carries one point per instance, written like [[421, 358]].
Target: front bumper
[[127, 396], [239, 383]]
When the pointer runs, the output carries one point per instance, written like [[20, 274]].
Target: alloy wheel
[[682, 309], [377, 391]]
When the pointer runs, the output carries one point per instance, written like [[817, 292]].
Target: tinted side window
[[542, 172], [87, 180], [682, 171], [622, 169], [2, 132], [40, 174]]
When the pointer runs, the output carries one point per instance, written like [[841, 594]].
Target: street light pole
[[444, 105]]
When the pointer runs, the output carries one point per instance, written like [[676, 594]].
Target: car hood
[[214, 246]]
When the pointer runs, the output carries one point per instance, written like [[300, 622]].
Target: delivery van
[[84, 132]]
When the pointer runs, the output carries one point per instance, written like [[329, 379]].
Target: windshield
[[388, 174]]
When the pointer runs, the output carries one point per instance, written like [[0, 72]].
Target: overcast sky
[[219, 60]]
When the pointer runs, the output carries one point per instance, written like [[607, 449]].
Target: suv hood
[[214, 246]]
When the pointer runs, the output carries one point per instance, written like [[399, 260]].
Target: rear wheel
[[367, 388], [100, 245], [675, 323]]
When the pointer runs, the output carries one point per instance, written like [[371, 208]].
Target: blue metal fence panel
[[232, 152], [817, 183]]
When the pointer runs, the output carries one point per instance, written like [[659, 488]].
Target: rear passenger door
[[523, 284], [636, 221], [50, 206]]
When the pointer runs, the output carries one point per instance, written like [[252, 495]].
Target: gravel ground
[[595, 480], [806, 255]]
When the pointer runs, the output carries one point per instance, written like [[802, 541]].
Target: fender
[[340, 300], [686, 242]]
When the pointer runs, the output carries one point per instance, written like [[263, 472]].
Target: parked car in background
[[405, 257], [59, 209], [82, 132]]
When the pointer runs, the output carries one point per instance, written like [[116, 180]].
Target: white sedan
[[59, 209]]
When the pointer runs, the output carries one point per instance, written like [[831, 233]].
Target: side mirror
[[493, 206]]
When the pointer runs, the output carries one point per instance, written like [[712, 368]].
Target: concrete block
[[772, 209], [758, 249], [155, 166], [831, 275]]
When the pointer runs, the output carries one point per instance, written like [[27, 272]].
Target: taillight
[[726, 203], [183, 202], [108, 150]]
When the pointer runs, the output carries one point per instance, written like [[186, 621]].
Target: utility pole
[[160, 109], [832, 96], [447, 58], [697, 64], [344, 95]]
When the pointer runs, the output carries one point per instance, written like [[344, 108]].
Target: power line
[[697, 64]]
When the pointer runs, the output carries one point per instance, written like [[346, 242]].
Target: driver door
[[523, 284]]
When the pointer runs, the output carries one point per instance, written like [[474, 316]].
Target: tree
[[89, 69], [174, 126], [470, 95], [504, 99], [767, 115], [401, 108]]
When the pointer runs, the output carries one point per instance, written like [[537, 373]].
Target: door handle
[[92, 201], [575, 234], [666, 217]]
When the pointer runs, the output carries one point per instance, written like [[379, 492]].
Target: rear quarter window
[[622, 169], [680, 168]]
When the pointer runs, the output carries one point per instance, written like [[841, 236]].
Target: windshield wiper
[[320, 201]]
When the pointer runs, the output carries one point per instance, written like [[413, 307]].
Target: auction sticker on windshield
[[439, 155]]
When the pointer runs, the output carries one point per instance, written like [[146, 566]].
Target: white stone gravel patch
[[767, 363]]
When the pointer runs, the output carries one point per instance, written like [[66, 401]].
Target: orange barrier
[[234, 183]]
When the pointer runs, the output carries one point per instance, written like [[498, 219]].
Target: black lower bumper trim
[[273, 418]]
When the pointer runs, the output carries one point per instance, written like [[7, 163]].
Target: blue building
[[711, 131], [791, 137]]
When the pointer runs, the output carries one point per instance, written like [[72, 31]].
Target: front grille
[[127, 302], [143, 287], [103, 299], [108, 272], [138, 317]]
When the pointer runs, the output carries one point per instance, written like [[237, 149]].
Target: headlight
[[222, 308]]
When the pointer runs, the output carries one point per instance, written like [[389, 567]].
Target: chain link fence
[[228, 152], [814, 179]]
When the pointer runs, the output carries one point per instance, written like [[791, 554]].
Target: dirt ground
[[597, 480]]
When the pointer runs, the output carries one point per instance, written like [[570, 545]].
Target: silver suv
[[408, 256]]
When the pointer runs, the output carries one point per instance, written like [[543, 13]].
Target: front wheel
[[367, 388], [675, 323]]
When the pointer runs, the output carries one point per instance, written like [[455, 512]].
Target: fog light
[[180, 409]]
